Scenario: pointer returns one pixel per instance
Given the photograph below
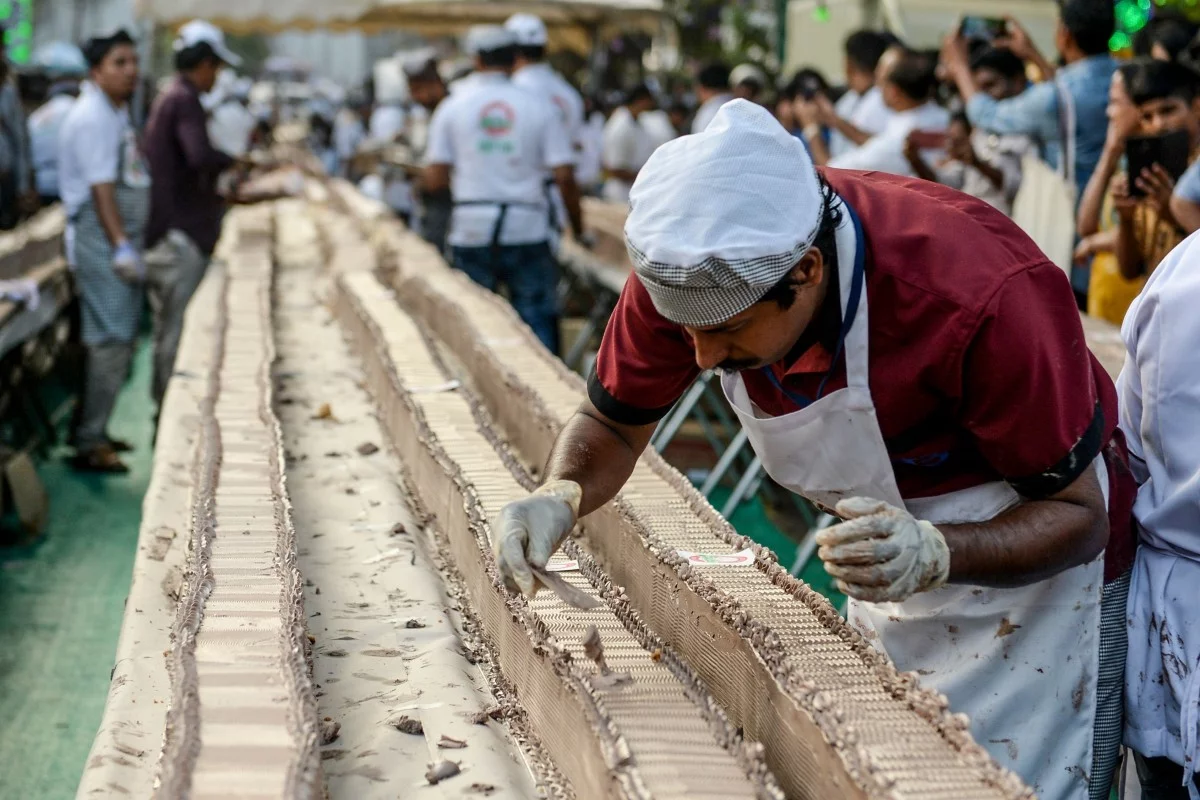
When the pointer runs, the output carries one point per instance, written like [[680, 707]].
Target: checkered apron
[[111, 308]]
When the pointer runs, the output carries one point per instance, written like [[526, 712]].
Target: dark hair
[[1091, 23], [191, 57], [961, 118], [503, 57], [783, 293], [915, 74], [998, 59], [1172, 31], [865, 48], [532, 52], [96, 49], [714, 76], [806, 80], [1148, 79], [639, 92]]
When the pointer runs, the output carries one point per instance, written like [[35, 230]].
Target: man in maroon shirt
[[185, 209], [904, 356]]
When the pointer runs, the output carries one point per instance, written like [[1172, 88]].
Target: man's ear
[[810, 269]]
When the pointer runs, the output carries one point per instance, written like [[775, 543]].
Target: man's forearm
[[1029, 543], [570, 195], [104, 197], [596, 455], [847, 129]]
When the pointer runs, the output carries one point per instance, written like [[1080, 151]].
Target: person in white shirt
[[907, 81], [712, 90], [627, 144], [492, 142], [428, 90], [387, 124], [65, 66], [860, 113], [1159, 403], [230, 124], [588, 170], [105, 188], [350, 130], [534, 74]]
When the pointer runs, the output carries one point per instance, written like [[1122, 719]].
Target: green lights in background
[[1133, 15], [17, 18]]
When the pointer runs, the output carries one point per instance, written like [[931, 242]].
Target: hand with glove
[[881, 553], [127, 263], [528, 531]]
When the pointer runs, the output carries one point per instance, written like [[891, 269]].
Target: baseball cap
[[527, 29], [200, 31]]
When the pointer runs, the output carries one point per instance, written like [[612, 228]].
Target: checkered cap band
[[718, 218]]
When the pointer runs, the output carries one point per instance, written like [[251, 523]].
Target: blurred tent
[[573, 24]]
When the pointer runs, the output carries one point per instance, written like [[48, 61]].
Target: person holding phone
[[1125, 221], [981, 164], [906, 79]]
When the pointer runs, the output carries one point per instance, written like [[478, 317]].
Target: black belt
[[503, 206]]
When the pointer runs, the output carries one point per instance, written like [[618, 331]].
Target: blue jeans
[[528, 271]]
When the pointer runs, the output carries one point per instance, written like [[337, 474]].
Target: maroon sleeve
[[645, 362], [1031, 397]]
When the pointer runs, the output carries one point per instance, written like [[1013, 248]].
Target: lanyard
[[856, 289]]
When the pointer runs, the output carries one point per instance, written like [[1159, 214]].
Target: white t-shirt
[[627, 145], [591, 149], [499, 140], [44, 127], [658, 127], [707, 110], [89, 146], [543, 81], [387, 122], [230, 126], [867, 112], [884, 152], [348, 133]]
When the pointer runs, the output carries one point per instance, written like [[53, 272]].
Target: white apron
[[998, 654]]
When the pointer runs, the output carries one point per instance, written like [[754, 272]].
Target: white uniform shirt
[[867, 112], [44, 127], [707, 110], [499, 140], [627, 145], [348, 133], [89, 146], [230, 126], [884, 152], [543, 81], [1159, 401], [387, 122], [591, 152], [658, 127]]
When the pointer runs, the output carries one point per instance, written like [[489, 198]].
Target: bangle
[[811, 131]]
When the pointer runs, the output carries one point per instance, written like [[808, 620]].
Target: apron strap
[[503, 205], [849, 315]]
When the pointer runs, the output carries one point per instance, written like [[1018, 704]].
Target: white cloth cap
[[200, 31], [488, 38], [719, 217], [528, 29], [416, 62], [747, 72]]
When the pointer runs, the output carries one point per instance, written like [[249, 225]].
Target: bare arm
[[1088, 219], [435, 178], [1033, 541], [564, 176], [596, 453], [104, 196], [847, 129], [1186, 213], [1129, 255]]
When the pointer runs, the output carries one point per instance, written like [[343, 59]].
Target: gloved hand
[[882, 553], [528, 531], [127, 263]]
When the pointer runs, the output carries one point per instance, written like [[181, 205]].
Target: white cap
[[416, 62], [487, 38], [60, 60], [747, 72], [528, 29], [200, 31], [718, 218]]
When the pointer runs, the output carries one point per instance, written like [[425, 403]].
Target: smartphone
[[982, 28], [810, 87], [928, 140], [1168, 150]]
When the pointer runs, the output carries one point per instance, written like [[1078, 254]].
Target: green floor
[[61, 602]]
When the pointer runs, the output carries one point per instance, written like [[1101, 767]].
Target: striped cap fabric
[[719, 217]]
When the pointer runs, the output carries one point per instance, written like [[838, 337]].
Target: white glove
[[528, 531], [127, 263], [882, 553]]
